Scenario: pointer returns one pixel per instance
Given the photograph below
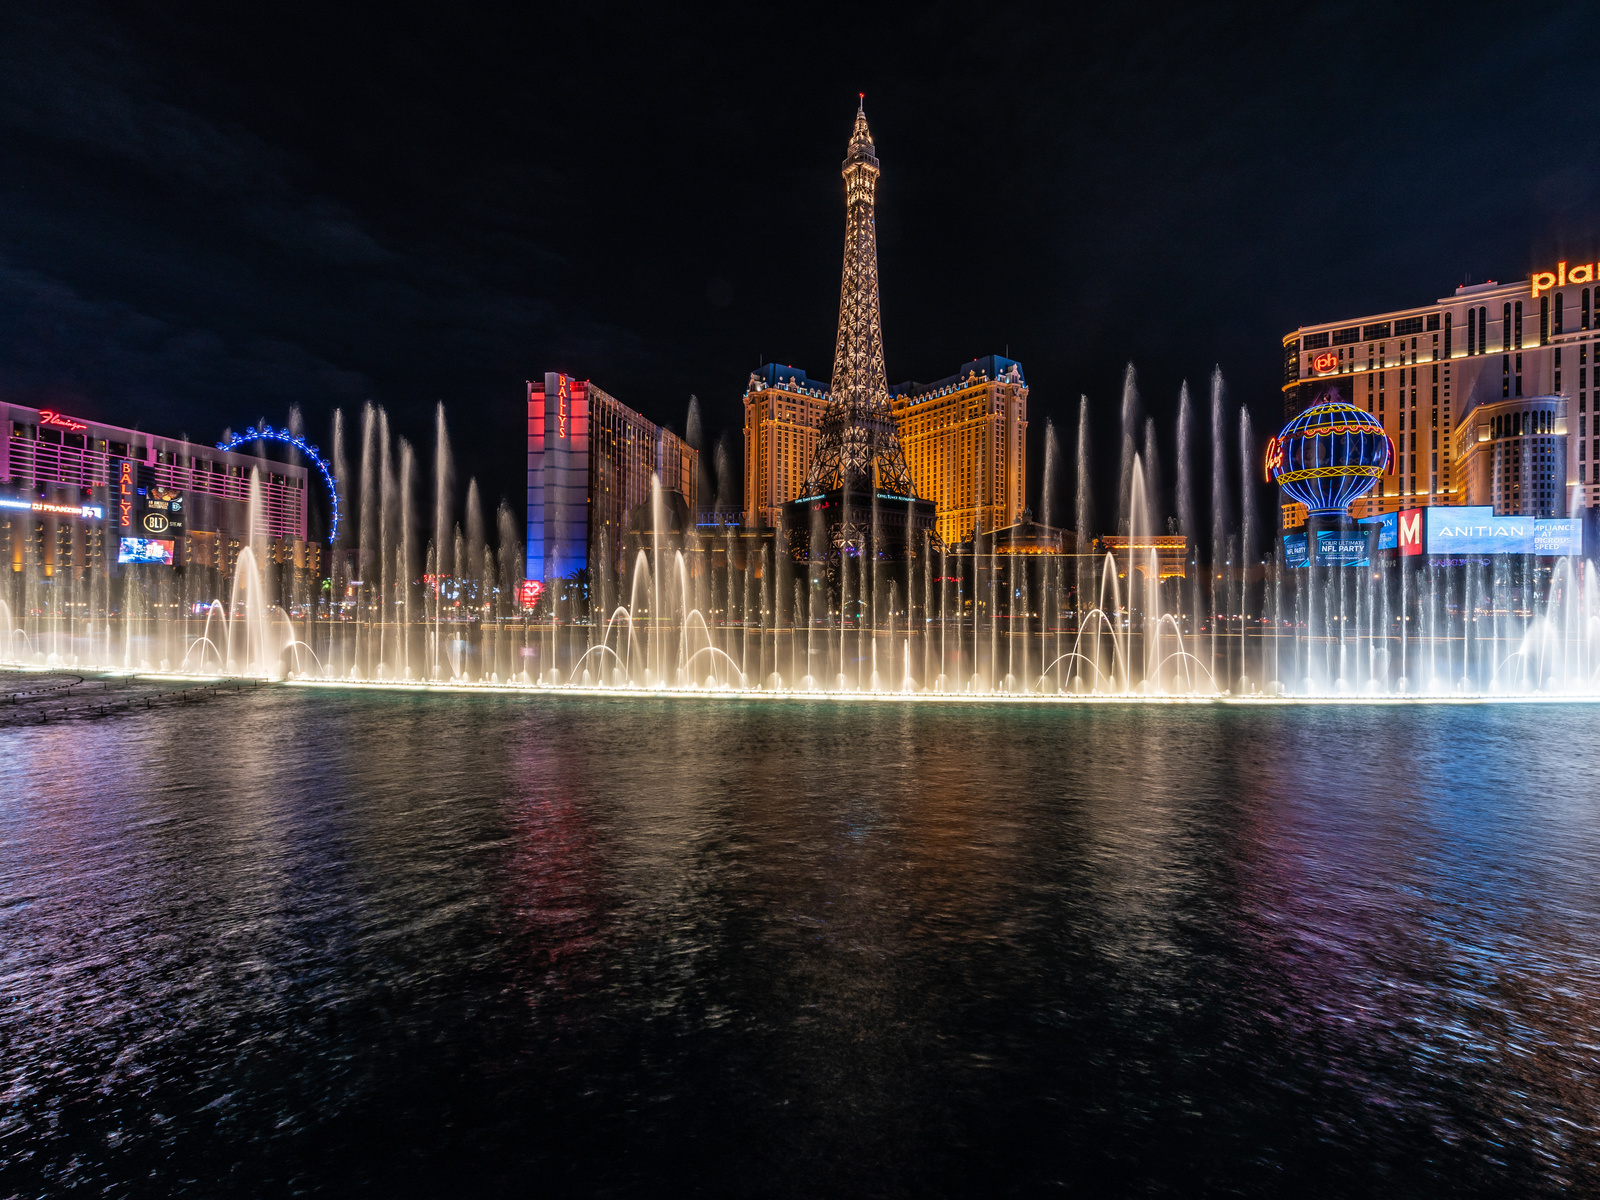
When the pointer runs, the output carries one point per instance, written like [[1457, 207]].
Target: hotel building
[[782, 422], [590, 459], [1446, 377], [76, 491], [964, 439], [1512, 454]]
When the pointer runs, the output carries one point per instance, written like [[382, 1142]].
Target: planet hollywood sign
[[1544, 281]]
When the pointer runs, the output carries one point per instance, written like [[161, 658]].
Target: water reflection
[[402, 943]]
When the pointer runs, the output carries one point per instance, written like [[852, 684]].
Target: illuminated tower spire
[[858, 448]]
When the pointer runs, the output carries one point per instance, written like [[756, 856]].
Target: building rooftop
[[990, 366], [782, 375]]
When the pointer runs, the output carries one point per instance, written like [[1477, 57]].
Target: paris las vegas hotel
[[1484, 393], [964, 439]]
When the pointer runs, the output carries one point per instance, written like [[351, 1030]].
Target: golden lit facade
[[964, 439], [965, 445], [1170, 553], [783, 413], [1425, 372]]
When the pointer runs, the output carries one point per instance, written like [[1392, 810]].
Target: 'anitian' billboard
[[1476, 530], [1467, 530]]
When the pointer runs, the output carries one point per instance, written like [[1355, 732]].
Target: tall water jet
[[1187, 524], [443, 540], [694, 434], [1130, 434], [727, 480], [1082, 510], [1220, 523], [1048, 513], [1247, 521]]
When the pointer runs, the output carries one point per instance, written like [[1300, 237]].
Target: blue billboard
[[1476, 530], [1342, 547], [1334, 548], [1294, 550], [1388, 525]]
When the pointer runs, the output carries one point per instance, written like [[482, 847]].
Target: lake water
[[363, 943]]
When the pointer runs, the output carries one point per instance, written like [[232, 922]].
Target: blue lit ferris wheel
[[1329, 456], [267, 433]]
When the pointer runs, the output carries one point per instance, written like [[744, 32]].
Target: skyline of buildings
[[85, 496], [590, 460], [964, 438], [1484, 393]]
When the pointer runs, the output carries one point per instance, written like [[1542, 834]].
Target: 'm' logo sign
[[1411, 532]]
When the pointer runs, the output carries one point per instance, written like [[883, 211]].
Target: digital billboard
[[163, 513], [1388, 527], [1476, 530], [1342, 547], [1334, 548], [86, 511], [145, 550], [1558, 536], [1412, 530]]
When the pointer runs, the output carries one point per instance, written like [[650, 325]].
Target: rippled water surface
[[379, 944]]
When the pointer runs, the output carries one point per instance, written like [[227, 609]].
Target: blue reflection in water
[[399, 943]]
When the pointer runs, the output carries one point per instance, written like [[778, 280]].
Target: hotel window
[[1585, 315], [1472, 334], [1505, 327], [1560, 306], [1505, 375], [1483, 330], [1557, 386], [1447, 335], [1519, 374], [1519, 324]]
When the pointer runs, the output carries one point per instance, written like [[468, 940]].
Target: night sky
[[210, 212]]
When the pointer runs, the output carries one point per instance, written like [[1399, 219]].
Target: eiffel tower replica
[[859, 499]]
